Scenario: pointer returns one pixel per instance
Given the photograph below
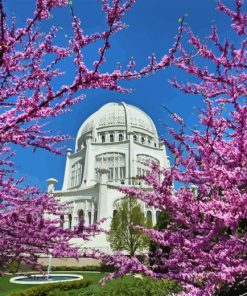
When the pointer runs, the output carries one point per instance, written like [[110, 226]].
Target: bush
[[47, 289], [75, 268], [56, 292], [130, 286], [100, 268], [139, 287], [92, 290], [107, 268], [13, 266], [239, 287]]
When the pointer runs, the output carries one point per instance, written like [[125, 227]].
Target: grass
[[128, 286], [6, 287]]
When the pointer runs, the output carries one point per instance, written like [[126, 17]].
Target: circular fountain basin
[[38, 279]]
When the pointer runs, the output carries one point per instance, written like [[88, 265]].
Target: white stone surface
[[111, 149]]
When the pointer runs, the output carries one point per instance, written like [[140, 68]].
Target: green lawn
[[6, 287]]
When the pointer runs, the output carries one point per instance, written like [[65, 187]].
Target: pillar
[[130, 172], [66, 179], [87, 175]]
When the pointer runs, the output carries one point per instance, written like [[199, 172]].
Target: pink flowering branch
[[203, 246], [23, 70], [30, 63]]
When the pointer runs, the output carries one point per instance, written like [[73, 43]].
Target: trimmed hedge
[[74, 268], [128, 286], [135, 287], [46, 289], [100, 268]]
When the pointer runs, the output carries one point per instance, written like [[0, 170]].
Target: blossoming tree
[[204, 245], [30, 62]]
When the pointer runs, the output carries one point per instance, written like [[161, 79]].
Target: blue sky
[[152, 27]]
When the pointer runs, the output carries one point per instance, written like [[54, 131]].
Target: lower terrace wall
[[70, 261]]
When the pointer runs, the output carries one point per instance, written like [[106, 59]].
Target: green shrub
[[92, 290], [100, 268], [74, 268], [13, 266], [44, 290], [56, 292], [139, 287], [130, 286], [106, 268]]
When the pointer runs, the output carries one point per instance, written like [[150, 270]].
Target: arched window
[[103, 138], [157, 216], [135, 137], [114, 162], [114, 212], [70, 220], [143, 140], [111, 138], [76, 174], [143, 164], [149, 217], [89, 218], [120, 137], [61, 221], [80, 216]]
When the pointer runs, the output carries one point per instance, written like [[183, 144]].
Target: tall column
[[94, 218], [103, 207], [87, 175], [130, 173], [67, 170], [86, 213], [154, 222], [66, 221], [74, 215]]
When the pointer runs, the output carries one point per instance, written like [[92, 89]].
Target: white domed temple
[[111, 149]]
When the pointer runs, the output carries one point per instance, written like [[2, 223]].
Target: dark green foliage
[[162, 223], [92, 290], [242, 229], [106, 268], [100, 268], [239, 288], [46, 289], [13, 266], [75, 268], [16, 266], [122, 236], [56, 292]]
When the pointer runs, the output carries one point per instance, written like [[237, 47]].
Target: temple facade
[[113, 146]]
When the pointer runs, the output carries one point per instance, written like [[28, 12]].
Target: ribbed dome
[[113, 116]]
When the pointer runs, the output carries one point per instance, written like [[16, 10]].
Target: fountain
[[46, 278], [49, 266]]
